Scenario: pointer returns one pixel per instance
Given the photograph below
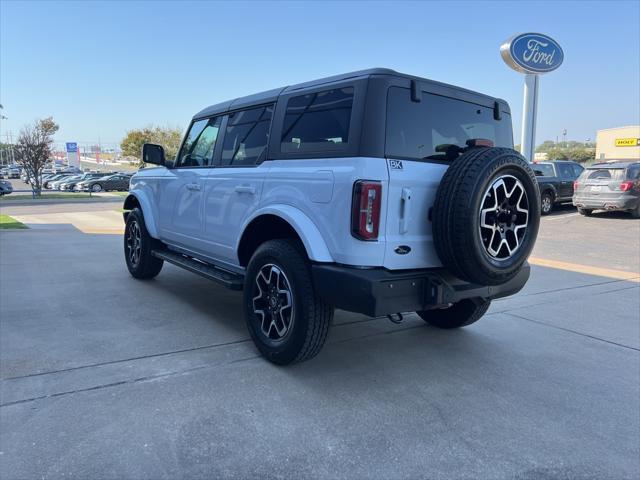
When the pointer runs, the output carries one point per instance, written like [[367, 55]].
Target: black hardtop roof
[[271, 96], [616, 164]]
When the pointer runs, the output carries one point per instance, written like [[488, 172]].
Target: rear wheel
[[546, 203], [457, 315], [635, 213], [585, 211], [138, 245], [287, 320]]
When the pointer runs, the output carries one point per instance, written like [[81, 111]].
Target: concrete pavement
[[104, 376]]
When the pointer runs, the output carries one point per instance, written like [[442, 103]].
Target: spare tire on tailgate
[[486, 215]]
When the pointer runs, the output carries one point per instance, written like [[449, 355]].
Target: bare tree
[[33, 149]]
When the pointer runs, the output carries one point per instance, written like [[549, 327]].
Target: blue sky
[[101, 68]]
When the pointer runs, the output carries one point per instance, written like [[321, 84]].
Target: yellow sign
[[627, 142]]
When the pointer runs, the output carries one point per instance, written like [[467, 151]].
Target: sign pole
[[529, 114], [532, 54]]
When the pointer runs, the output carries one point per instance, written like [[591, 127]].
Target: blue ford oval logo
[[402, 249], [532, 53]]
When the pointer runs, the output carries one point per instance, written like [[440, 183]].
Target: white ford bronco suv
[[374, 192]]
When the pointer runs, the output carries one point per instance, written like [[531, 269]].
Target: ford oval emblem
[[532, 53], [402, 249]]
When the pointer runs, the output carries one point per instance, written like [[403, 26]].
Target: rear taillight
[[365, 209], [626, 186], [576, 183]]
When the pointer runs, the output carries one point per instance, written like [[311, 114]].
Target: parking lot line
[[588, 269], [560, 217]]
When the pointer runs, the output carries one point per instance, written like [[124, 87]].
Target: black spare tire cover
[[486, 215]]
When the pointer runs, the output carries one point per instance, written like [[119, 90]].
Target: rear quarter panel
[[322, 190]]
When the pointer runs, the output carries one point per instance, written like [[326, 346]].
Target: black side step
[[230, 280]]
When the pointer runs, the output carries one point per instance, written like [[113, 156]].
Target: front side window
[[633, 173], [247, 136], [437, 128], [318, 121], [566, 170], [198, 147], [577, 170]]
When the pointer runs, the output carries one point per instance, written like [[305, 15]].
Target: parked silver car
[[609, 186]]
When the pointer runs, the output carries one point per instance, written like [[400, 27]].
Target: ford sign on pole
[[531, 54]]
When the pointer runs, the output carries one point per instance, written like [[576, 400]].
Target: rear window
[[438, 127], [616, 174], [318, 121]]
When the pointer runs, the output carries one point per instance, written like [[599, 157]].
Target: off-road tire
[[460, 314], [546, 203], [585, 211], [456, 215], [311, 316], [147, 265]]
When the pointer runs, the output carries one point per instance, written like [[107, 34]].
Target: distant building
[[622, 143]]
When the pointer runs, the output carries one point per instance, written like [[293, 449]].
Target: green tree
[[570, 150], [33, 149], [168, 137]]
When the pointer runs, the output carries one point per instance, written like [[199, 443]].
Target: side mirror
[[152, 153]]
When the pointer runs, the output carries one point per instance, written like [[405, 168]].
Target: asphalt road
[[103, 376]]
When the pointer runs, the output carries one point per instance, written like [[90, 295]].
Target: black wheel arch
[[262, 229]]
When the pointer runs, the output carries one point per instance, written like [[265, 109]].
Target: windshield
[[438, 128]]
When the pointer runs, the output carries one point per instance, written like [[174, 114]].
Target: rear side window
[[438, 127], [543, 170], [317, 122], [247, 136]]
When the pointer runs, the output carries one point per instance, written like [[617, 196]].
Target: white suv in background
[[374, 192]]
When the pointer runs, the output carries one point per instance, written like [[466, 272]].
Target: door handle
[[194, 187], [405, 212], [246, 189]]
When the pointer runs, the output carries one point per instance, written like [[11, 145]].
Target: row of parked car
[[10, 171], [87, 182], [612, 185]]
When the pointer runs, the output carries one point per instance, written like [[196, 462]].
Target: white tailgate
[[411, 193]]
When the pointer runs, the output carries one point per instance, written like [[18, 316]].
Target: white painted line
[[559, 217]]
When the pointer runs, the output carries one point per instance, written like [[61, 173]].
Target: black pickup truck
[[555, 179]]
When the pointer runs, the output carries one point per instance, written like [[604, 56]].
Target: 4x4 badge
[[395, 164]]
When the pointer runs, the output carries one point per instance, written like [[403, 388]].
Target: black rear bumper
[[377, 291]]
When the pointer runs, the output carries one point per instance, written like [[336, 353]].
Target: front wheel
[[287, 320], [460, 314], [96, 188], [138, 245]]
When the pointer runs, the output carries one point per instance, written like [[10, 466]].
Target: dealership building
[[622, 143]]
